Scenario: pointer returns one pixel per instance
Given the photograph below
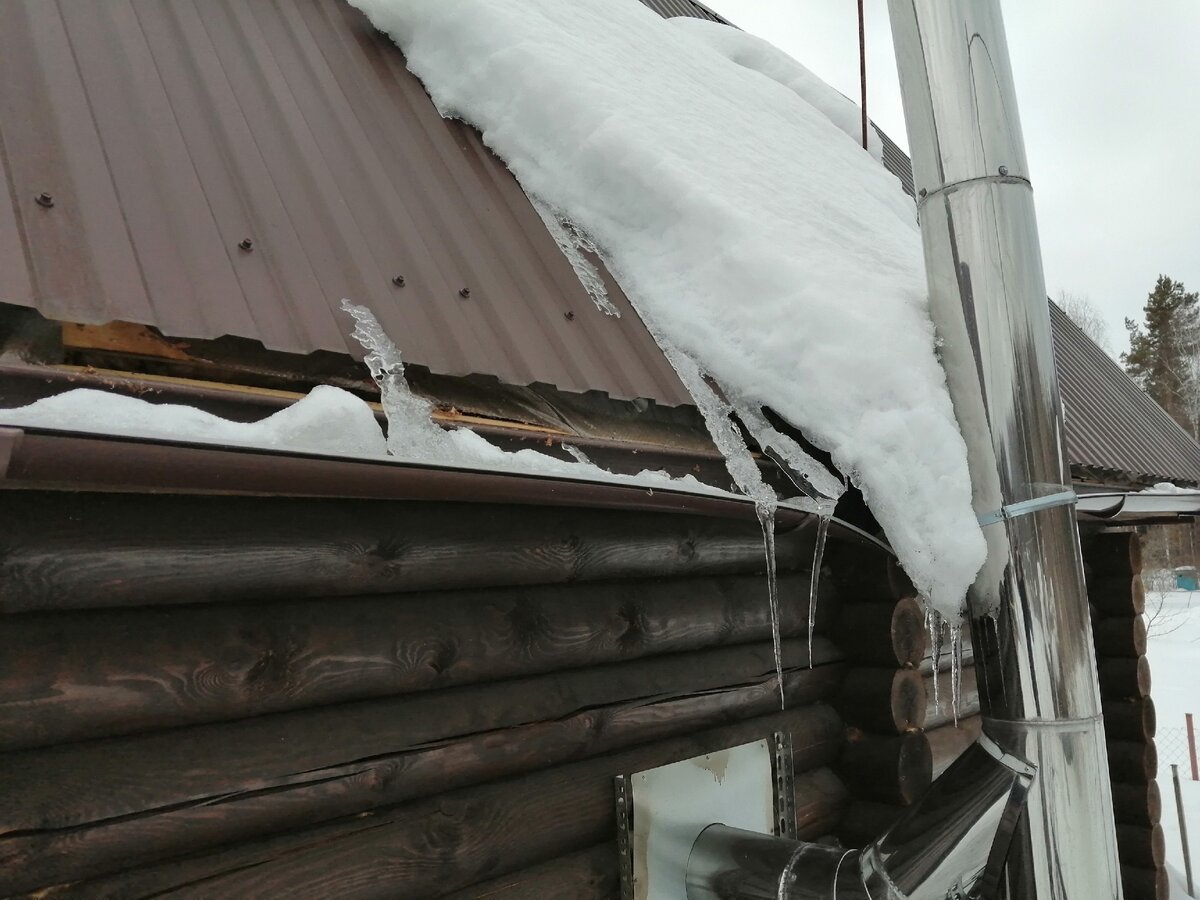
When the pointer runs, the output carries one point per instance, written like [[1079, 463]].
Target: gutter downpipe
[[1029, 612]]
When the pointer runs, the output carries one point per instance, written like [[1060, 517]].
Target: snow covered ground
[[1174, 625]]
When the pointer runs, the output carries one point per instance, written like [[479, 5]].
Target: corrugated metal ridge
[[1110, 422], [684, 8], [167, 133]]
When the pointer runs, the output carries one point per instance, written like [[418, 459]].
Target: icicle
[[766, 518], [824, 514], [934, 621], [955, 670], [788, 453], [578, 455], [573, 244]]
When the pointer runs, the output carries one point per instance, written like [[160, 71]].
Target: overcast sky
[[1110, 105]]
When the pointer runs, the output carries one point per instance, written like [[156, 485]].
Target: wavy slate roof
[[1112, 426], [165, 134]]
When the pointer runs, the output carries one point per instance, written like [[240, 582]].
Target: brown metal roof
[[166, 133], [1110, 422]]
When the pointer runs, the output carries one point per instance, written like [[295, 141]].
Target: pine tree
[[1164, 351]]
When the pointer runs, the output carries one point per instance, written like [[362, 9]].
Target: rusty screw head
[[44, 199], [1004, 170], [246, 244], [465, 293], [922, 193], [569, 316], [398, 280]]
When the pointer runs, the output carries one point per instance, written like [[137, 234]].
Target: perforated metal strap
[[1013, 510]]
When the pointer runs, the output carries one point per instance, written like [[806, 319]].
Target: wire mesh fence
[[1172, 746]]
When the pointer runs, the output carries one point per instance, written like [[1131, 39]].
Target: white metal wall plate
[[665, 809]]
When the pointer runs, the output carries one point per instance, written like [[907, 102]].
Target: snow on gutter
[[758, 242]]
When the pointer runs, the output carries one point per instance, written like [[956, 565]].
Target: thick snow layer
[[765, 58], [328, 420], [1173, 623], [746, 227]]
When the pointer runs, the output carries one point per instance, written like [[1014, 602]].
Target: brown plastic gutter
[[68, 461]]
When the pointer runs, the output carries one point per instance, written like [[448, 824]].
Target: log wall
[[887, 762], [1112, 561], [257, 696]]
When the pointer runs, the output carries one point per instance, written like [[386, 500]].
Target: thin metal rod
[[862, 69], [1191, 732], [1183, 837]]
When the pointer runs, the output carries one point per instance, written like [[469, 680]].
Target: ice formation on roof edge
[[742, 224]]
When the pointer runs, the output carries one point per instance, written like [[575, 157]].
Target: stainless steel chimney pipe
[[1029, 612]]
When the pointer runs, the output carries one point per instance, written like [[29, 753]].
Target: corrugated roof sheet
[[1110, 422], [167, 133], [671, 8]]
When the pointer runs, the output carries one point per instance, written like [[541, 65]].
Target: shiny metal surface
[[953, 843], [732, 864], [957, 837], [1030, 625]]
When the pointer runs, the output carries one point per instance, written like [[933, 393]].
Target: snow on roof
[[751, 233]]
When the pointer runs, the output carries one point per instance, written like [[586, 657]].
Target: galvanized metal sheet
[[672, 804]]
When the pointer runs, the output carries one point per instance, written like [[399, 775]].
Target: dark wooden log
[[1114, 553], [63, 551], [1130, 720], [31, 859], [821, 799], [877, 634], [70, 785], [945, 711], [865, 821], [867, 577], [895, 770], [1132, 762], [74, 784], [451, 841], [947, 743], [96, 673], [590, 874], [1118, 595], [886, 701], [1121, 637], [1137, 804], [1124, 679], [1142, 847], [1145, 884]]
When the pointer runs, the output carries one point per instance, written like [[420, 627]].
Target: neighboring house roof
[[1113, 428], [166, 134]]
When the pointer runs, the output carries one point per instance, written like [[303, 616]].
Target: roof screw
[[44, 199], [398, 280], [246, 244], [1004, 170], [922, 193], [465, 293], [569, 316]]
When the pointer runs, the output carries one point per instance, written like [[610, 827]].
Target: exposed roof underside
[[166, 133]]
